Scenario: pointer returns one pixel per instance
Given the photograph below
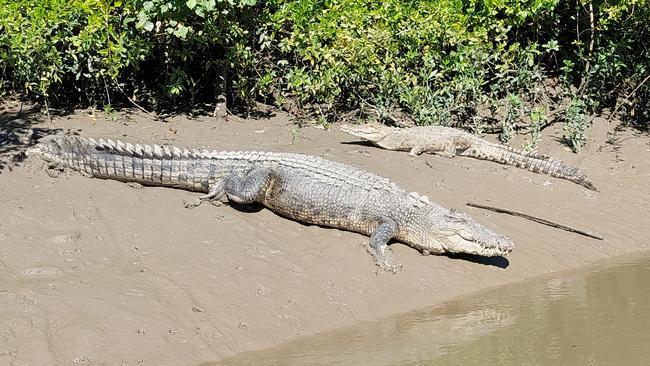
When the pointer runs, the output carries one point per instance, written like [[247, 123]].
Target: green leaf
[[209, 5], [181, 31], [147, 5], [191, 4], [148, 25]]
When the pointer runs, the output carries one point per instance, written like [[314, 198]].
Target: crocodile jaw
[[368, 132], [452, 231], [498, 246]]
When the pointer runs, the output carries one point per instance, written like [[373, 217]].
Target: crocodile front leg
[[379, 246], [417, 150]]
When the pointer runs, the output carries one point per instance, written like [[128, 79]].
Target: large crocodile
[[449, 142], [301, 187]]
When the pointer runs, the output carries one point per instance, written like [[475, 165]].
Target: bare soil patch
[[98, 272]]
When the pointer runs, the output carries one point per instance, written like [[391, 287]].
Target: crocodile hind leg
[[456, 146], [249, 189], [252, 188], [448, 151], [379, 246]]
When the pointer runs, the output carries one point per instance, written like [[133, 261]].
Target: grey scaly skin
[[449, 142], [305, 188]]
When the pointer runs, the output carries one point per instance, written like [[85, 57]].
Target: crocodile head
[[370, 132], [453, 231]]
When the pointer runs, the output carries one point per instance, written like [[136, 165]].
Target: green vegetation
[[59, 47], [503, 66]]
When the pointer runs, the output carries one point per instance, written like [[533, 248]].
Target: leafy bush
[[488, 65], [445, 61], [434, 58], [197, 42], [61, 46], [575, 125]]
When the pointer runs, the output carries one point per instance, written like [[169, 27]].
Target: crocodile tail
[[536, 163], [146, 164]]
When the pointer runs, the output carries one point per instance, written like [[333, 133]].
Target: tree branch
[[535, 219]]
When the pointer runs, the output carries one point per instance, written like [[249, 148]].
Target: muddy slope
[[97, 272]]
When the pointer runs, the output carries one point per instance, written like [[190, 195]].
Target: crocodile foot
[[198, 201], [54, 170], [384, 258], [389, 267], [193, 203], [135, 185]]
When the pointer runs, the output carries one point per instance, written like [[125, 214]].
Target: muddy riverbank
[[98, 272]]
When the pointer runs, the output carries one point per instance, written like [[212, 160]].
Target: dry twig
[[136, 104], [536, 219], [625, 100]]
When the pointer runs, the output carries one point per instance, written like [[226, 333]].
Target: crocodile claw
[[384, 259]]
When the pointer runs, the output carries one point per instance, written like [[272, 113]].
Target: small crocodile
[[449, 142], [305, 188]]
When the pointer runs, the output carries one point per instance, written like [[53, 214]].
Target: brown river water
[[599, 315]]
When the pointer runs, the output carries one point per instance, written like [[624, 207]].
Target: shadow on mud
[[500, 262]]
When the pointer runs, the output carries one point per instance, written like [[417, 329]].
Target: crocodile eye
[[454, 218], [458, 214]]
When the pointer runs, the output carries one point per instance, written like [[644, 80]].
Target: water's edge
[[584, 315]]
